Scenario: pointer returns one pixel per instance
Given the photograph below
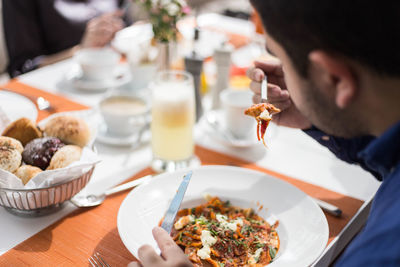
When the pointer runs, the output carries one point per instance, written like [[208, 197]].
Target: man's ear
[[339, 74]]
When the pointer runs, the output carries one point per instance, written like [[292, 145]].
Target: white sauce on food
[[207, 240], [265, 115], [183, 221]]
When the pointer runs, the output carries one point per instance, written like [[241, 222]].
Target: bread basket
[[42, 201]]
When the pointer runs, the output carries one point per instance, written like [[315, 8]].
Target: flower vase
[[166, 54]]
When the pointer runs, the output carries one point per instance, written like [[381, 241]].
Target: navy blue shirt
[[379, 242]]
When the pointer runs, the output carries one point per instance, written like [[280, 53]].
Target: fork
[[264, 89], [97, 261]]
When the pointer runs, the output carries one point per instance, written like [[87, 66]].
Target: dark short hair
[[365, 31]]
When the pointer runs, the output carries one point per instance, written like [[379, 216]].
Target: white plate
[[217, 134], [303, 228], [75, 78], [16, 106]]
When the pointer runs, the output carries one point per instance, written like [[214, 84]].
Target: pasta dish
[[221, 235]]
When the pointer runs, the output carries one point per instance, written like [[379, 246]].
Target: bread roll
[[65, 156], [27, 172], [23, 130], [10, 142], [10, 153], [70, 130]]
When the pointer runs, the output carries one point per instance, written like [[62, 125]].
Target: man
[[340, 82]]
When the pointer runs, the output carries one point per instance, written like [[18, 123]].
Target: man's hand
[[101, 30], [278, 95], [172, 254]]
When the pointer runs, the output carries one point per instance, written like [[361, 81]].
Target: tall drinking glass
[[173, 118]]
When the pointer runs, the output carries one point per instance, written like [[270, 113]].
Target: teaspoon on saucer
[[213, 122]]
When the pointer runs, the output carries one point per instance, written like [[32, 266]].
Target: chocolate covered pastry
[[39, 151]]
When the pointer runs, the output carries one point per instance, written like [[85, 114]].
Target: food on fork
[[218, 234], [23, 130], [27, 172], [10, 153], [39, 151], [262, 112], [65, 156], [69, 129]]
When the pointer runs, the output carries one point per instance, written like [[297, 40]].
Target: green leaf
[[259, 245], [272, 252], [180, 236]]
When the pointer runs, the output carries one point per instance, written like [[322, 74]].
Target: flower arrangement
[[164, 14]]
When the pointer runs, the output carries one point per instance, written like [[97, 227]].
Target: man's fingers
[[255, 87], [255, 74], [282, 105], [269, 67], [256, 99], [148, 257], [274, 92], [169, 249]]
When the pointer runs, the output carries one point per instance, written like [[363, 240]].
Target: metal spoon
[[213, 122], [44, 104], [84, 201], [41, 102]]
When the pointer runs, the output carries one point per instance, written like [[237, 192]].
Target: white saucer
[[219, 134], [16, 106], [104, 137], [78, 81]]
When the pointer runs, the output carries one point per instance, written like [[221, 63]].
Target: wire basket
[[42, 201]]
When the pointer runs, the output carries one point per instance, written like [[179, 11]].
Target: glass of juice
[[173, 118]]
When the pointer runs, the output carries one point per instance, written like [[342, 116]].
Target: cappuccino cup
[[125, 115], [234, 103], [98, 63]]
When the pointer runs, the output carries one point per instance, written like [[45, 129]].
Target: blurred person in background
[[42, 32]]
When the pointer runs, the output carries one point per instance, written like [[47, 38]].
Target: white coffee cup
[[125, 115], [234, 103], [98, 63]]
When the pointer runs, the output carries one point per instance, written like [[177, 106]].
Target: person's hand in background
[[278, 95], [101, 30], [172, 254]]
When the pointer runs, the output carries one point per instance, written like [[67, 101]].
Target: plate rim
[[36, 113], [236, 169]]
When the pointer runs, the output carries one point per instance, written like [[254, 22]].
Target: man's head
[[335, 55]]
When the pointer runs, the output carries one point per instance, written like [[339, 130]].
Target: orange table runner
[[72, 240]]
